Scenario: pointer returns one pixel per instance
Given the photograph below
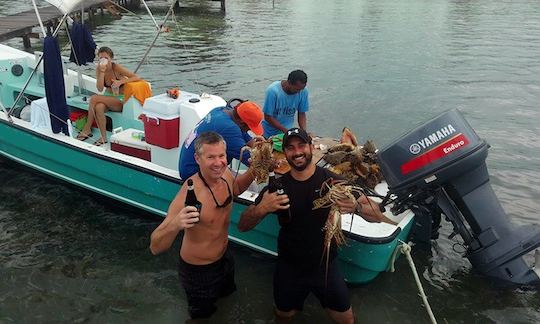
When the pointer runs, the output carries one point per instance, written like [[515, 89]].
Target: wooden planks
[[22, 23]]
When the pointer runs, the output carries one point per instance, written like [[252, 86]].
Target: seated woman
[[112, 76]]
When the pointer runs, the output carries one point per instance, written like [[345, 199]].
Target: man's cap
[[252, 115], [298, 132]]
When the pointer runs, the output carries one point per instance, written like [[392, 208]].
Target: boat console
[[439, 167]]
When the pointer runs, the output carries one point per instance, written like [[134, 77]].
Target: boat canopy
[[68, 6]]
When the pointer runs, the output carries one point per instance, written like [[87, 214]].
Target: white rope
[[177, 29], [405, 248]]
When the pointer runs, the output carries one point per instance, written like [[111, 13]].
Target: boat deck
[[77, 101]]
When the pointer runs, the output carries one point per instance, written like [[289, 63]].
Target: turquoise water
[[378, 67]]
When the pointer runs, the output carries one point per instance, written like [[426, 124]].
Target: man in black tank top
[[301, 266]]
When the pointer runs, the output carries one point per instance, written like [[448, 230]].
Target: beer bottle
[[191, 198], [284, 215], [272, 182]]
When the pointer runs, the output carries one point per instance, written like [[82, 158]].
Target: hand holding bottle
[[188, 217], [272, 201], [275, 198], [192, 203], [277, 186]]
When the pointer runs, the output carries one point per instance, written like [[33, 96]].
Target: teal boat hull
[[361, 260], [110, 177]]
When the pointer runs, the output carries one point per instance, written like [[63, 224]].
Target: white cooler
[[129, 142], [191, 112]]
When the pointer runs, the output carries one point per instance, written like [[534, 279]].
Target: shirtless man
[[206, 268]]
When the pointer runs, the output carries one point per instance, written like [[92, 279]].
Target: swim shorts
[[292, 285], [204, 284]]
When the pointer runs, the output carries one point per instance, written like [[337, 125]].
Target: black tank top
[[301, 239]]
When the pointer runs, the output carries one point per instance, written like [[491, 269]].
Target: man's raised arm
[[269, 203]]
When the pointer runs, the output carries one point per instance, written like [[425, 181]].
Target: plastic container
[[161, 119], [192, 111], [124, 142]]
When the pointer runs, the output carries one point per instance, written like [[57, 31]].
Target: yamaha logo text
[[433, 138]]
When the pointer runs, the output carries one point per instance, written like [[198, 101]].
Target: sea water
[[379, 67]]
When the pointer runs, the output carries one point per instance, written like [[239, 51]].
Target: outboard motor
[[440, 166]]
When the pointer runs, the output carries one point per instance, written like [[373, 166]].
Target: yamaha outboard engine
[[441, 166]]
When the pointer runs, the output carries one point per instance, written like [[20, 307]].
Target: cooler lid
[[130, 137], [162, 106]]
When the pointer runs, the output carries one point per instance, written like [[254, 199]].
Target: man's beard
[[302, 167]]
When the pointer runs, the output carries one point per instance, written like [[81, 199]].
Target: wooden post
[[134, 4], [55, 23], [91, 17], [50, 28], [223, 5], [26, 41]]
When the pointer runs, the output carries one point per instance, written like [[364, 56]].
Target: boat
[[436, 169], [141, 172], [120, 170]]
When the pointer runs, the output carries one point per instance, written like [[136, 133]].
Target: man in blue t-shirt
[[283, 99], [233, 125]]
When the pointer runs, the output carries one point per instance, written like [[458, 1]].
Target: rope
[[125, 9], [178, 30], [60, 119], [74, 129], [405, 248]]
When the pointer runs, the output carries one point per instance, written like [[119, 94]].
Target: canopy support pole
[[150, 13], [37, 65], [79, 73], [155, 38], [39, 18]]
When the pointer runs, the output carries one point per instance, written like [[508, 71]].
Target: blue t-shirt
[[218, 121], [283, 107]]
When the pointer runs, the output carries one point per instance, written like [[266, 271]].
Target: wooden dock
[[23, 23]]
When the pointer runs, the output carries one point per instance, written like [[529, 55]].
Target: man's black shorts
[[292, 285], [204, 284]]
